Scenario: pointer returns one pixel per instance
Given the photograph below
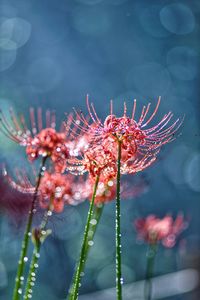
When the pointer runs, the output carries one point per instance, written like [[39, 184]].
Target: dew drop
[[90, 243], [37, 255], [93, 222], [36, 265], [29, 233], [82, 274], [21, 278], [25, 259], [19, 291], [49, 213]]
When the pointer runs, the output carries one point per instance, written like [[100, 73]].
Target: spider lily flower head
[[55, 188], [97, 160], [60, 189], [140, 144], [38, 141], [153, 229]]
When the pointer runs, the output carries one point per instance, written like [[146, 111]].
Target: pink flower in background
[[153, 229]]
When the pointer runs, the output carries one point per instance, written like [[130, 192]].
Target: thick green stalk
[[119, 279], [151, 253], [73, 294], [91, 233], [32, 272], [24, 248], [38, 236]]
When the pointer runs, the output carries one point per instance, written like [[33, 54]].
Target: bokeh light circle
[[177, 18], [192, 172], [16, 31], [183, 63]]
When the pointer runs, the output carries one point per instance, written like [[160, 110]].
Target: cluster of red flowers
[[140, 146], [84, 145]]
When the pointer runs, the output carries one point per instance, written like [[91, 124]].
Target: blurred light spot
[[192, 172], [183, 63], [177, 18], [44, 74], [3, 276], [151, 79], [150, 21], [179, 154], [92, 20], [14, 33], [7, 59], [106, 277]]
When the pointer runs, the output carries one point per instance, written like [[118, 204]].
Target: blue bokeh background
[[52, 53]]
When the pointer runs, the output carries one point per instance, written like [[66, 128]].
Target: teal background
[[52, 53]]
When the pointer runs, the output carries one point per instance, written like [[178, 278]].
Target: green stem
[[119, 279], [73, 294], [151, 253], [91, 233], [24, 248], [32, 272], [39, 237], [96, 216]]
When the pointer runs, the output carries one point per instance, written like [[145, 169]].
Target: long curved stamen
[[134, 109], [33, 122], [153, 114]]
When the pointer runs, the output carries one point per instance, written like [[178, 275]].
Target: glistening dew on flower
[[58, 188], [153, 229], [97, 160], [38, 141], [140, 145]]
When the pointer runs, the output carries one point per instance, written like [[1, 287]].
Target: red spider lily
[[38, 141], [97, 160], [153, 229], [57, 188], [140, 146], [106, 190]]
